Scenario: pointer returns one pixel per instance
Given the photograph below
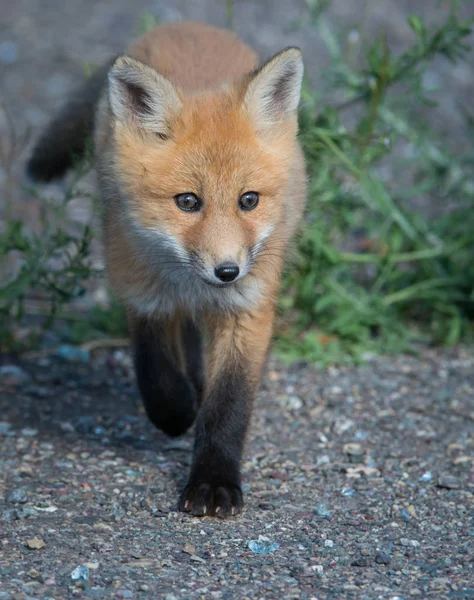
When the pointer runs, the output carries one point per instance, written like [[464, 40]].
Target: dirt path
[[363, 476]]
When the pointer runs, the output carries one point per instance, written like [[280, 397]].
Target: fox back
[[200, 169]]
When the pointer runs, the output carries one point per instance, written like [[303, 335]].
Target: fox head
[[207, 176]]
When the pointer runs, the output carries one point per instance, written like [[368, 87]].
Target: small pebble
[[35, 543], [381, 558], [405, 542], [361, 562], [11, 515], [117, 512], [322, 511], [73, 354], [354, 452], [279, 475], [29, 432], [323, 460], [48, 509], [263, 545], [26, 511], [318, 569], [295, 402], [463, 462], [427, 476], [348, 491], [189, 549], [405, 515], [80, 573], [13, 375], [67, 427], [18, 514], [18, 496], [33, 573], [449, 482], [266, 506]]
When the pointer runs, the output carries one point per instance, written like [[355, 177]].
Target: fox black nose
[[227, 271]]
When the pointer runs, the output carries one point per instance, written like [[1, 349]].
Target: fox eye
[[248, 201], [188, 201]]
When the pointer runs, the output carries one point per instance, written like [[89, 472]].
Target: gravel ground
[[360, 478]]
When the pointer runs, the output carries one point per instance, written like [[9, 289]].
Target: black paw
[[175, 412], [211, 499]]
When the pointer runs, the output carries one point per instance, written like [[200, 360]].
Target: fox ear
[[140, 94], [273, 92]]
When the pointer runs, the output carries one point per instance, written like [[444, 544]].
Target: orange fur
[[217, 156], [194, 56], [215, 152]]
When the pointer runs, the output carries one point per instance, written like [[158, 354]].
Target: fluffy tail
[[66, 137]]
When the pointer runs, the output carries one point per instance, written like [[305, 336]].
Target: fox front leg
[[237, 354], [168, 391]]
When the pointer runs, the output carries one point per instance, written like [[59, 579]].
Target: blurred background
[[46, 43], [385, 260]]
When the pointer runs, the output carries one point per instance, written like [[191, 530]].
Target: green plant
[[372, 273], [52, 264]]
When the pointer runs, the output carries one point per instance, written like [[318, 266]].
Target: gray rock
[[381, 558], [405, 542], [13, 375], [449, 482], [361, 561], [10, 515], [18, 496], [355, 452]]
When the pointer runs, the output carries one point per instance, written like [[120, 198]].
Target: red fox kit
[[202, 181]]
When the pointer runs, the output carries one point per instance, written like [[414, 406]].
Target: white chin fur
[[196, 296], [177, 284]]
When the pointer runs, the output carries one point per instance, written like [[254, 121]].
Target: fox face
[[206, 177]]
